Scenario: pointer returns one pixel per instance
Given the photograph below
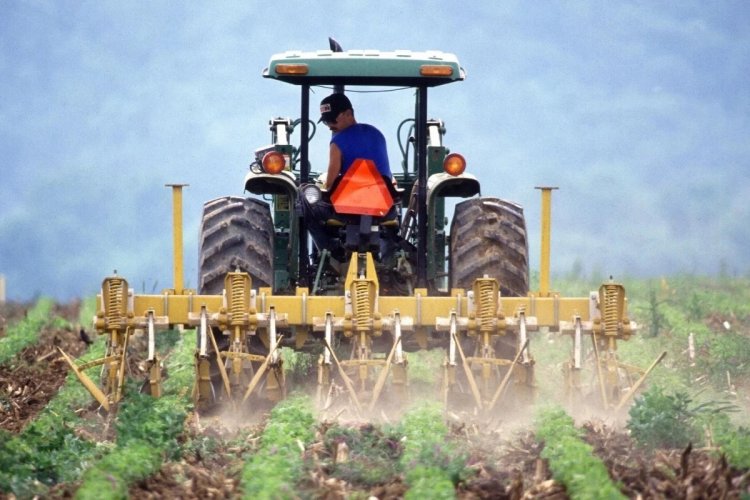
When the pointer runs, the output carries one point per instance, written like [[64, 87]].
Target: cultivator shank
[[609, 323], [235, 322], [486, 327], [115, 318]]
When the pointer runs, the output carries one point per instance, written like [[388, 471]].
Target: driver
[[350, 140]]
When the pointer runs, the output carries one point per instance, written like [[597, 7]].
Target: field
[[687, 435]]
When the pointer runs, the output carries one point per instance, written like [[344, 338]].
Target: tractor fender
[[263, 183], [446, 186]]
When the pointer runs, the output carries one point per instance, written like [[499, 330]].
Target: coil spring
[[611, 309], [237, 291], [362, 304], [487, 303], [115, 301]]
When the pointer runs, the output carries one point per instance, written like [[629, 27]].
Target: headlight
[[311, 193]]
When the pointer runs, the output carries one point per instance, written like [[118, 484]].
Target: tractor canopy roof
[[365, 67]]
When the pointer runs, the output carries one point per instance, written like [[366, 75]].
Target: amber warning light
[[436, 70], [291, 69], [454, 164], [273, 162]]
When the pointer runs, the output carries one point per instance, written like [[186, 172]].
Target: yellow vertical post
[[179, 281], [545, 244]]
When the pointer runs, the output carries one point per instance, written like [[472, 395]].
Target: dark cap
[[331, 106]]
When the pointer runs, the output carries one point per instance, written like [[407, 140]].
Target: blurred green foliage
[[26, 332]]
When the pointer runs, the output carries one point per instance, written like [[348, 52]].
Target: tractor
[[462, 286]]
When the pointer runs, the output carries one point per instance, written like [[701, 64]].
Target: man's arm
[[334, 165]]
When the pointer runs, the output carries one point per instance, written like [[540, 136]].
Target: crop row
[[571, 460], [60, 447], [147, 430], [48, 450]]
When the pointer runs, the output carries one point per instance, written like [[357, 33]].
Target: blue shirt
[[362, 141]]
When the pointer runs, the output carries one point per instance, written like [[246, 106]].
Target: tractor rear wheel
[[488, 237], [236, 233]]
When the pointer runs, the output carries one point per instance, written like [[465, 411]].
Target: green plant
[[297, 365], [735, 444], [656, 317], [660, 420], [274, 471], [431, 464], [49, 450]]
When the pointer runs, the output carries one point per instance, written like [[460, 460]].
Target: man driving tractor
[[350, 141]]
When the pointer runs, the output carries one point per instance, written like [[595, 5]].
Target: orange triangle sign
[[362, 191]]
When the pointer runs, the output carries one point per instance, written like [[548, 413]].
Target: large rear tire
[[488, 237], [236, 233]]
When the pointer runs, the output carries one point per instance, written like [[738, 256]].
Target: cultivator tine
[[506, 378], [220, 363], [627, 396], [154, 379], [383, 375], [89, 384], [600, 375], [324, 363], [276, 380], [398, 368], [117, 390], [572, 369], [466, 365], [347, 381], [577, 344], [270, 359], [449, 365], [523, 339], [203, 385]]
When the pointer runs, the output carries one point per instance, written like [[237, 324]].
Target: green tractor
[[267, 238]]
